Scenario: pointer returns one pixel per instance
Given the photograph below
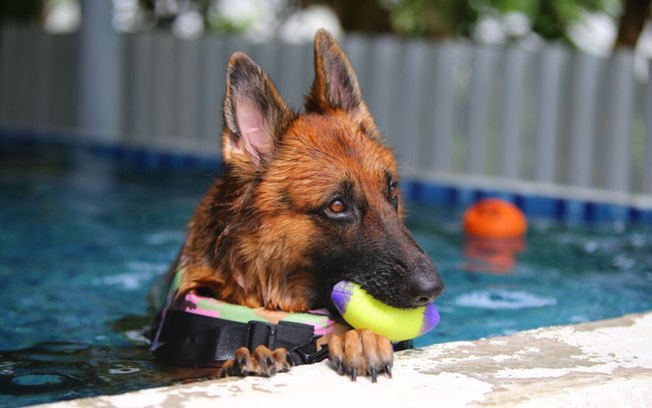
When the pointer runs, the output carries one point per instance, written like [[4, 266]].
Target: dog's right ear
[[336, 84], [255, 116]]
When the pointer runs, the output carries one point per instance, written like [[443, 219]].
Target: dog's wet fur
[[307, 199]]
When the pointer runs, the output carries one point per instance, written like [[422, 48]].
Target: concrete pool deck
[[605, 363]]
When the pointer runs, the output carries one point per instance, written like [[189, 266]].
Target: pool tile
[[610, 213], [540, 207], [574, 212]]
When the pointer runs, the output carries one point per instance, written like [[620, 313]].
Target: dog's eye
[[337, 207], [393, 191], [393, 194], [339, 210]]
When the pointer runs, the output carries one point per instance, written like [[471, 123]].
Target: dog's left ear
[[336, 84], [255, 115]]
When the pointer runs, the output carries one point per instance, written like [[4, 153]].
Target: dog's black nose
[[424, 290]]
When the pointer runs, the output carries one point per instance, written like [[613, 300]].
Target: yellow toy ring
[[363, 311]]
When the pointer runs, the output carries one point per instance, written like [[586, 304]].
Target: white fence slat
[[381, 94], [358, 49], [442, 110], [43, 77], [647, 155], [25, 61], [128, 87], [515, 64], [212, 76], [547, 113], [166, 97], [425, 84], [621, 95], [143, 84], [409, 102], [584, 91], [188, 89], [65, 89], [100, 82], [483, 65], [296, 73], [393, 85]]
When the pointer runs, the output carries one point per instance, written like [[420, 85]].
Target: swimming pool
[[85, 231]]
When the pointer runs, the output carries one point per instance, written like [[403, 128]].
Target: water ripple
[[503, 299]]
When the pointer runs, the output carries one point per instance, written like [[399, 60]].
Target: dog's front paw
[[262, 362], [361, 352]]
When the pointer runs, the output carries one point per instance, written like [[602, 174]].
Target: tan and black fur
[[306, 200]]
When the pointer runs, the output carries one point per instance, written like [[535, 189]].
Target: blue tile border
[[546, 207], [571, 211], [126, 154]]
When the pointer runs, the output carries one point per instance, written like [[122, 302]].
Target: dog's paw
[[361, 352], [262, 362]]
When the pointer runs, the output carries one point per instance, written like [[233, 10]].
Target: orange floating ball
[[494, 218]]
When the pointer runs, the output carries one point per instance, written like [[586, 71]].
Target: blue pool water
[[84, 235]]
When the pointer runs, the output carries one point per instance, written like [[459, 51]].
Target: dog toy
[[494, 218], [363, 311]]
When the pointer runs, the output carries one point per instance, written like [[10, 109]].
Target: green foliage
[[452, 18], [433, 18]]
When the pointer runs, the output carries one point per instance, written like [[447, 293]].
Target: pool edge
[[601, 363]]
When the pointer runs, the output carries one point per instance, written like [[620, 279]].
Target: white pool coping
[[606, 363]]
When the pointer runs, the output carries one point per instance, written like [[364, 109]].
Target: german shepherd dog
[[307, 199]]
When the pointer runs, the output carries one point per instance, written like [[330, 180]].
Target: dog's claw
[[262, 362], [336, 354], [361, 352], [280, 360], [338, 367], [241, 362], [263, 356]]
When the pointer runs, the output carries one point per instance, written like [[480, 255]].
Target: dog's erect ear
[[255, 116], [336, 85]]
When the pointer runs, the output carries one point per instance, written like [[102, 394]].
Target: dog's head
[[320, 187]]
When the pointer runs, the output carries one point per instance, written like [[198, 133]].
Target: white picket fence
[[552, 117]]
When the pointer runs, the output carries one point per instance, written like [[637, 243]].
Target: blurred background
[[554, 92], [595, 26]]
